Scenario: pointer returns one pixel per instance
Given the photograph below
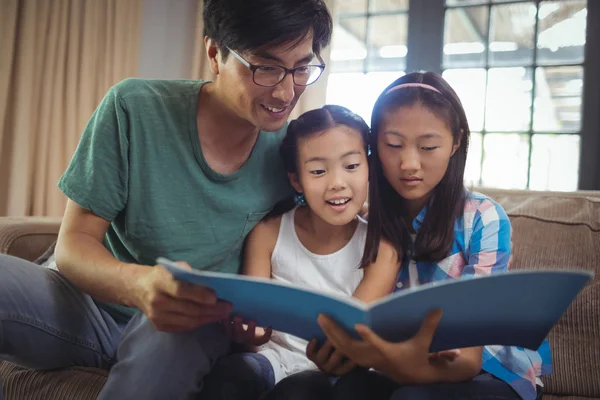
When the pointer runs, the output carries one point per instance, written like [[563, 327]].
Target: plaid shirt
[[482, 247]]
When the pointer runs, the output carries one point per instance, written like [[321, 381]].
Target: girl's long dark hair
[[311, 123], [386, 208]]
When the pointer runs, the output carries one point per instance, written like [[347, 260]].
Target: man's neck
[[226, 139], [218, 125]]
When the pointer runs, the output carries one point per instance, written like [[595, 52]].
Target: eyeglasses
[[271, 75]]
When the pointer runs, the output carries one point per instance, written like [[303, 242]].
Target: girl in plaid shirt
[[418, 202]]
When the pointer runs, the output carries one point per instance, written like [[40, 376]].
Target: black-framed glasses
[[271, 75]]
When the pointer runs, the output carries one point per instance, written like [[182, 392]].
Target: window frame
[[425, 43], [368, 14]]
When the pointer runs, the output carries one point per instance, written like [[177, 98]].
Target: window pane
[[388, 5], [558, 99], [505, 160], [465, 2], [465, 29], [473, 167], [561, 36], [469, 84], [348, 48], [387, 42], [358, 92], [511, 34], [554, 162], [351, 6], [508, 105]]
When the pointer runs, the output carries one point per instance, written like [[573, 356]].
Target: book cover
[[516, 308]]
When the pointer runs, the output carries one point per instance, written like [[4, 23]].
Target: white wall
[[167, 41]]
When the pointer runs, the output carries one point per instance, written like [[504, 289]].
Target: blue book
[[516, 308]]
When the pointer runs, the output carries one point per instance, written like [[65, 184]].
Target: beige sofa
[[551, 231]]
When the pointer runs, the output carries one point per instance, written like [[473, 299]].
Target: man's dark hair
[[257, 24]]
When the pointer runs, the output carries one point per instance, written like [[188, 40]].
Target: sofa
[[550, 231]]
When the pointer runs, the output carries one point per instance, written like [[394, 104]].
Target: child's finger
[[238, 329], [265, 337], [251, 330], [268, 332], [310, 350], [371, 337], [334, 362], [323, 353], [345, 367], [449, 355]]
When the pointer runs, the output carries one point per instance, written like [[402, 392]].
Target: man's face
[[267, 108]]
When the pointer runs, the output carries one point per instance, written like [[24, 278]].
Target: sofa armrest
[[27, 237]]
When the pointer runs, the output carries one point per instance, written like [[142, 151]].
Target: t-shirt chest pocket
[[229, 240], [205, 242], [252, 219]]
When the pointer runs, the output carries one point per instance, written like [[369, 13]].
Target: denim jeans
[[46, 323], [250, 376], [307, 385], [361, 384], [239, 376]]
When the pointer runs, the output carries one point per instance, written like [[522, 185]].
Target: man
[[180, 169]]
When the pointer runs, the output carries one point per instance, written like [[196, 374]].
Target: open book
[[512, 309]]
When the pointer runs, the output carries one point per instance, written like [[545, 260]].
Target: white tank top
[[293, 263]]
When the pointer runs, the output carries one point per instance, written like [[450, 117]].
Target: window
[[368, 51], [518, 69], [524, 71]]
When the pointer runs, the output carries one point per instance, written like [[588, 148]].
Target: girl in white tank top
[[320, 243]]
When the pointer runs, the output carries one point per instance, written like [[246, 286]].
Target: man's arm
[[170, 305], [83, 259]]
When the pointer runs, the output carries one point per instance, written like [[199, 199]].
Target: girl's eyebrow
[[431, 135], [315, 159], [349, 153]]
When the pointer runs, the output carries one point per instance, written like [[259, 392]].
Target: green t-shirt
[[139, 164]]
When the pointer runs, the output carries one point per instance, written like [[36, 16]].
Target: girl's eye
[[429, 148], [394, 146], [352, 166], [317, 171]]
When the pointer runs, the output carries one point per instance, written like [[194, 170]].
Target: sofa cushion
[[47, 257], [69, 384], [27, 237], [562, 231]]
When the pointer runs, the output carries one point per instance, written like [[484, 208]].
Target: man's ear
[[293, 177], [212, 52]]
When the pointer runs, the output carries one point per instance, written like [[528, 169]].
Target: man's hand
[[174, 306], [248, 335], [328, 359]]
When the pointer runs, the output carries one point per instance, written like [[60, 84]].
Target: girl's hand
[[249, 334], [328, 359], [406, 362]]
